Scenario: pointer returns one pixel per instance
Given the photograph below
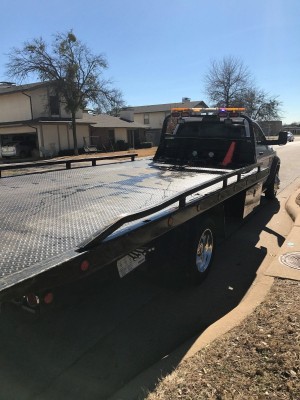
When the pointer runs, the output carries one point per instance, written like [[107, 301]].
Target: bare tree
[[229, 83], [259, 105], [226, 80], [112, 107], [74, 72]]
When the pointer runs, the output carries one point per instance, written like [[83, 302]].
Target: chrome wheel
[[204, 250]]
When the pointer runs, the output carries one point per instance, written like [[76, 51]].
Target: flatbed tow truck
[[208, 174]]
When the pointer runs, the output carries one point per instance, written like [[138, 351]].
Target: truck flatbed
[[46, 217]]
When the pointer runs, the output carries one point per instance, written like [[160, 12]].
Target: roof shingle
[[107, 121]]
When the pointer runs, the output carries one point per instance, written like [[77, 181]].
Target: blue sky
[[159, 51]]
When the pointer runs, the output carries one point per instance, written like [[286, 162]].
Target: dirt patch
[[259, 359]]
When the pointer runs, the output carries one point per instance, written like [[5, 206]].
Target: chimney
[[186, 99], [127, 114]]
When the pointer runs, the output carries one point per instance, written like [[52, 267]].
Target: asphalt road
[[95, 343], [290, 163]]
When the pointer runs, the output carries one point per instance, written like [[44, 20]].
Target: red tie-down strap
[[228, 157]]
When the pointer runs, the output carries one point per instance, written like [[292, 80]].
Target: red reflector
[[48, 298], [84, 266], [170, 221]]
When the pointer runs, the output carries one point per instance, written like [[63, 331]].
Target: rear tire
[[273, 187], [203, 250]]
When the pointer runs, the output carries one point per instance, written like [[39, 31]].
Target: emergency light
[[221, 111]]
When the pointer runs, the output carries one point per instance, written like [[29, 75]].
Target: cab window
[[259, 136]]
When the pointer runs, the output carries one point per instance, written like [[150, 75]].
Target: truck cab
[[217, 138]]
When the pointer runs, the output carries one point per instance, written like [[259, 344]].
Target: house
[[112, 133], [34, 114], [154, 116]]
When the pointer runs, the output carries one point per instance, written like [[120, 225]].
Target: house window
[[146, 119], [54, 105]]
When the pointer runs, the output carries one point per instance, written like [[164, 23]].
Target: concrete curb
[[293, 207], [287, 264]]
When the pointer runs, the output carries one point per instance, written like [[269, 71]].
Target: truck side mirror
[[282, 139]]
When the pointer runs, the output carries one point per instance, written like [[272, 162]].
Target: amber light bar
[[214, 110]]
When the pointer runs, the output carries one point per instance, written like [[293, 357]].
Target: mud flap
[[252, 198]]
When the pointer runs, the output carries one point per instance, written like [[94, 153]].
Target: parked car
[[17, 149], [290, 137]]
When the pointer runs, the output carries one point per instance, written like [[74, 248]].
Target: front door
[[133, 138], [264, 153]]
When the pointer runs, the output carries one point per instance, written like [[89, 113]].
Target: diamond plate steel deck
[[45, 215]]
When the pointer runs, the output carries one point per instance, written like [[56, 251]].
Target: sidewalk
[[287, 265]]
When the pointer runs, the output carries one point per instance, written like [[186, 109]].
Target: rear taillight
[[48, 298], [85, 265]]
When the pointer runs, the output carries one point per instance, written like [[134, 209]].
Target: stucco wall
[[155, 119], [49, 138], [56, 137], [34, 104], [40, 104], [39, 101], [82, 131], [121, 134], [64, 136], [14, 107]]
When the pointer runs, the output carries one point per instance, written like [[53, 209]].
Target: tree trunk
[[74, 134]]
